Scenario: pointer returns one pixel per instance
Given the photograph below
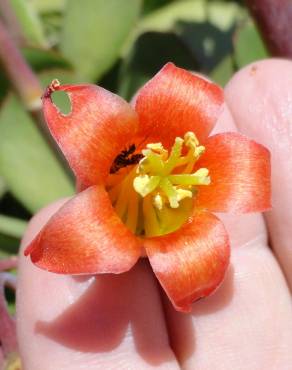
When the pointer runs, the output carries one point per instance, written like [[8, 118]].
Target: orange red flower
[[149, 177]]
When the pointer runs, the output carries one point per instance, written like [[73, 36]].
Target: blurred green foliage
[[119, 44]]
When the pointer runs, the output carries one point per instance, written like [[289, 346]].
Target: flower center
[[154, 197]]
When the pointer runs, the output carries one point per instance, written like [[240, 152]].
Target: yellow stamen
[[158, 201], [163, 184], [151, 223], [133, 209], [145, 184], [183, 194], [125, 194], [170, 192]]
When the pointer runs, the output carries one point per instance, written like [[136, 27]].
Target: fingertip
[[264, 70], [259, 97]]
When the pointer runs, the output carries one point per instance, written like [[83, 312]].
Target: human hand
[[125, 322]]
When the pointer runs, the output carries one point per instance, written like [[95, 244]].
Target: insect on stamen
[[126, 158]]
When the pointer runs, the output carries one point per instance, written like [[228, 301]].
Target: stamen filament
[[132, 216], [192, 179], [170, 192], [151, 223], [124, 195], [174, 156]]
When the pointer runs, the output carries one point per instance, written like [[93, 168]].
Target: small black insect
[[126, 158]]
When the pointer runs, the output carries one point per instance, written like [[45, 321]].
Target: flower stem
[[20, 74], [274, 19], [11, 21], [27, 86]]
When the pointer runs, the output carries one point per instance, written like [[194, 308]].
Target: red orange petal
[[97, 129], [191, 262], [176, 101], [240, 174], [85, 237]]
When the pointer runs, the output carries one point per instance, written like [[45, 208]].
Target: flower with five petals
[[149, 179]]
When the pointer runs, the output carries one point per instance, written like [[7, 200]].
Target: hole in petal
[[62, 102]]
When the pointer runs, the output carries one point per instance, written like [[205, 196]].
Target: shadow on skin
[[219, 299], [181, 327], [112, 305]]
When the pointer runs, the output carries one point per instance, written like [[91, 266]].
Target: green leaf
[[248, 45], [204, 27], [223, 71], [2, 187], [11, 226], [151, 51], [224, 15], [165, 18], [211, 40], [27, 165], [64, 76], [8, 245], [94, 32], [43, 59], [206, 42], [151, 5], [12, 311], [45, 6], [30, 23]]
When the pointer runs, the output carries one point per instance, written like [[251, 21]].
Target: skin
[[126, 322]]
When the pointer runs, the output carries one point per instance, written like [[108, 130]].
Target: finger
[[247, 323], [268, 120], [254, 223], [108, 322]]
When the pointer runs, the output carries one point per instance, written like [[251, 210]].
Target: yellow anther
[[191, 140], [158, 148], [202, 172], [199, 151], [183, 194], [145, 184], [158, 201]]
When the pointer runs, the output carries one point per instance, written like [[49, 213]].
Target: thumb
[[67, 322]]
